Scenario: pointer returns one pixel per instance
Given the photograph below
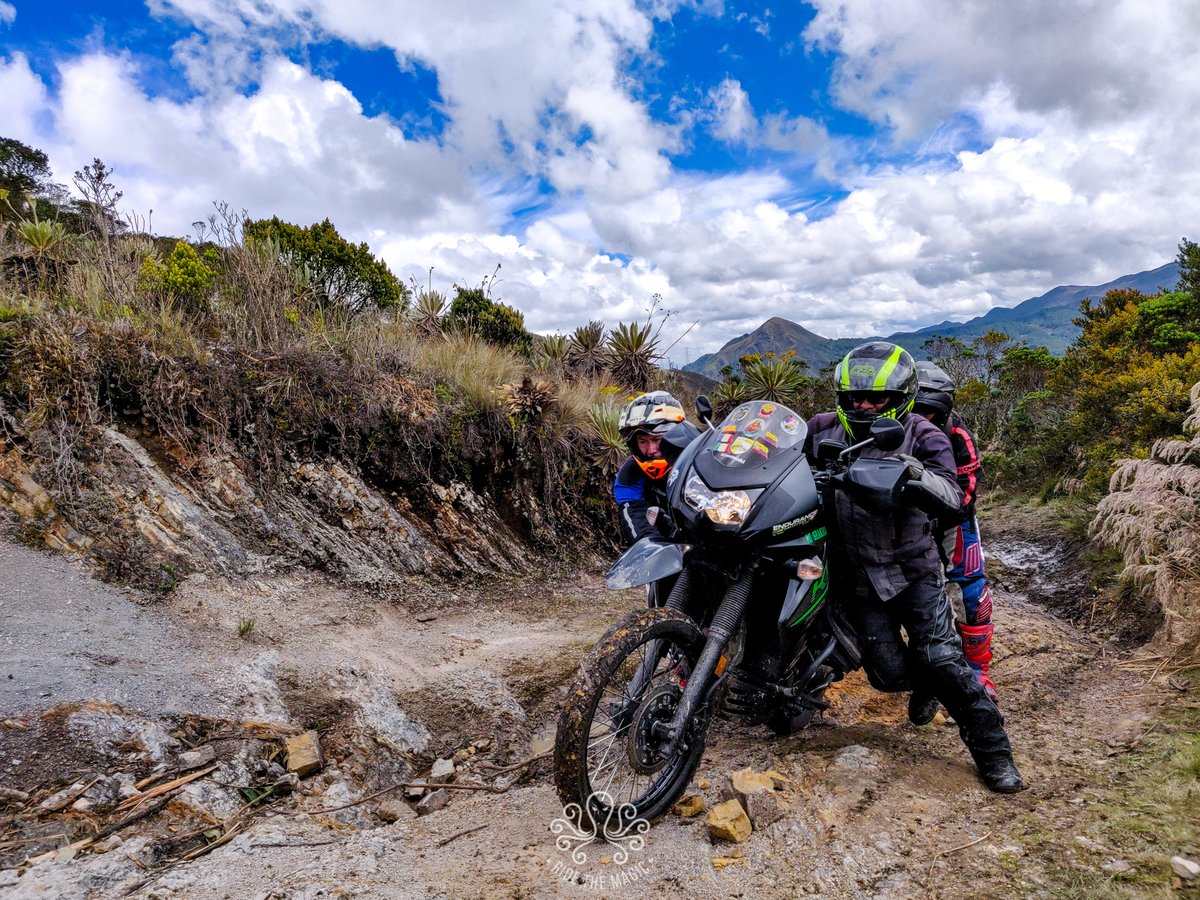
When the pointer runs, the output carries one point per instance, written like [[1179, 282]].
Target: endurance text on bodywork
[[786, 526]]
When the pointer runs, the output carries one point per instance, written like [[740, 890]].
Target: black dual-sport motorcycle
[[746, 625]]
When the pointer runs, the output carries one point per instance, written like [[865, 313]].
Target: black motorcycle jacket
[[896, 547]]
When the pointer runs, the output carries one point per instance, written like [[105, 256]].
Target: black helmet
[[876, 368], [654, 413], [935, 392]]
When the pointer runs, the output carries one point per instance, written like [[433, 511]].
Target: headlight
[[722, 507]]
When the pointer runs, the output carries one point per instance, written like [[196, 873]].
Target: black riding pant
[[935, 659]]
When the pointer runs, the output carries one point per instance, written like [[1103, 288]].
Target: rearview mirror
[[703, 408], [830, 450], [888, 434]]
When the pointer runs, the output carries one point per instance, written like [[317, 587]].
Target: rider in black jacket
[[895, 572]]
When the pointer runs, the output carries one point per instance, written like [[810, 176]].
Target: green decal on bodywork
[[819, 589], [813, 536]]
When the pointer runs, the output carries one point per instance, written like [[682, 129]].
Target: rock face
[[155, 509]]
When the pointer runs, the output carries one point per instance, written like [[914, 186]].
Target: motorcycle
[[747, 626]]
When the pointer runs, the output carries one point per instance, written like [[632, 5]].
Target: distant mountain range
[[1043, 321]]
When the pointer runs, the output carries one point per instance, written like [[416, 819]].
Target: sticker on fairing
[[794, 523], [790, 424]]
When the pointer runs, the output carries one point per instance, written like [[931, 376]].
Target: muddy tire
[[605, 767]]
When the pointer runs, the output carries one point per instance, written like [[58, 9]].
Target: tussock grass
[[1152, 515], [471, 368]]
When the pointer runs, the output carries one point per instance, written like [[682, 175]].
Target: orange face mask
[[654, 468]]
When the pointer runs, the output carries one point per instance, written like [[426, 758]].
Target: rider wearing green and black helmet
[[892, 573], [876, 380]]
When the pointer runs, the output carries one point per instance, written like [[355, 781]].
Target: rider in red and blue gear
[[958, 535]]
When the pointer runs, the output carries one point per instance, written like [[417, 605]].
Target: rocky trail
[[103, 691]]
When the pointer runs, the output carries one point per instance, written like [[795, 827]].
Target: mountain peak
[[1047, 321]]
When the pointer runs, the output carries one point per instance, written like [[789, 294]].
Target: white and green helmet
[[878, 369]]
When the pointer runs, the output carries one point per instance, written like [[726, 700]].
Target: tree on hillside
[[339, 272], [23, 169], [1189, 267], [97, 211], [1125, 381], [495, 322], [25, 184]]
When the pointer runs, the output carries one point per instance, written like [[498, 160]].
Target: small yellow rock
[[728, 822], [704, 784], [691, 805]]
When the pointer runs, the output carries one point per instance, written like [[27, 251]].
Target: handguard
[[929, 492]]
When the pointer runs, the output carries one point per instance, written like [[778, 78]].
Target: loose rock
[[433, 802], [728, 822], [392, 810], [12, 795], [442, 769], [65, 797], [194, 759], [763, 809], [745, 782], [304, 753], [691, 805], [1187, 869], [416, 790]]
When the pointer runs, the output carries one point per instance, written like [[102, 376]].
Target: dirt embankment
[[872, 807]]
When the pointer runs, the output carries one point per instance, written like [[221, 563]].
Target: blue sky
[[858, 166]]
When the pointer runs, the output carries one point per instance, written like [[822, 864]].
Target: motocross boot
[[922, 707], [977, 648], [999, 773]]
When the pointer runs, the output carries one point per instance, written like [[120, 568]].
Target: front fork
[[724, 624]]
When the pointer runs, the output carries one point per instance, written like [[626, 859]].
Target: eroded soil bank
[[98, 684]]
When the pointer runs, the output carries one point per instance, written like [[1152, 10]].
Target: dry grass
[[253, 367], [471, 369], [1152, 515]]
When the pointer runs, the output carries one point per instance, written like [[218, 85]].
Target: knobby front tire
[[601, 756]]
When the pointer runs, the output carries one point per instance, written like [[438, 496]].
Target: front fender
[[648, 560]]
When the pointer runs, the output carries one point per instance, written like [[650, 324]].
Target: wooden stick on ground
[[455, 837], [163, 788], [1154, 674], [978, 840]]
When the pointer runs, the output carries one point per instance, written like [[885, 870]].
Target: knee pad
[[886, 664]]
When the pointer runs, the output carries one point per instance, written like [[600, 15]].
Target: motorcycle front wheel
[[609, 767]]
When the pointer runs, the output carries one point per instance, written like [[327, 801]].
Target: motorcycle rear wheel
[[606, 768]]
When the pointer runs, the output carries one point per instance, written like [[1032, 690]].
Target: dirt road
[[873, 806]]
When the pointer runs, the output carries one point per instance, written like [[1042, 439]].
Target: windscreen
[[753, 432]]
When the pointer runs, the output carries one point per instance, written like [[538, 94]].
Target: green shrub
[[336, 270], [497, 323]]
